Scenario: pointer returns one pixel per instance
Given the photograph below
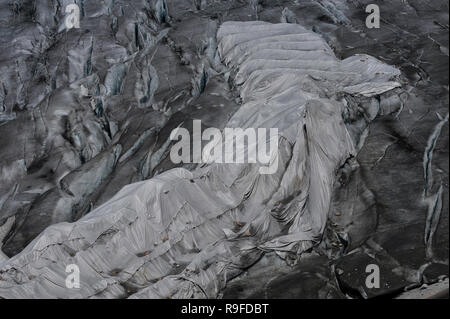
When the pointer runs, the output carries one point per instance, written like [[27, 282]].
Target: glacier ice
[[185, 234]]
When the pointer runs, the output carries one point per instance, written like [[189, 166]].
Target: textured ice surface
[[186, 233]]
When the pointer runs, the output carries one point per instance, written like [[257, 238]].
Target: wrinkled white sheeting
[[185, 234], [371, 89]]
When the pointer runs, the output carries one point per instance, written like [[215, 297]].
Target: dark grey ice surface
[[65, 151]]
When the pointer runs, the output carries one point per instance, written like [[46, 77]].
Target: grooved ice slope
[[185, 234]]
